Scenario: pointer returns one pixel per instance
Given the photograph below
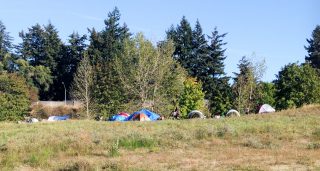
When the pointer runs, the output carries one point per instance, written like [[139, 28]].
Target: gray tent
[[233, 112], [196, 114]]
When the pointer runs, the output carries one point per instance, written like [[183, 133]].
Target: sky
[[270, 30]]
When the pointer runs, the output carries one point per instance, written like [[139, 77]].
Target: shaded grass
[[37, 145]]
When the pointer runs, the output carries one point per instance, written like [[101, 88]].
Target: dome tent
[[233, 112], [143, 115], [266, 109], [196, 114]]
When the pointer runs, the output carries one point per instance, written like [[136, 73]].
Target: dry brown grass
[[287, 140]]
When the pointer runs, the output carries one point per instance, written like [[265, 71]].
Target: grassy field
[[288, 140]]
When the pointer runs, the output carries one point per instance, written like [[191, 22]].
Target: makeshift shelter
[[143, 115], [233, 112], [58, 118], [266, 109], [196, 114], [119, 117]]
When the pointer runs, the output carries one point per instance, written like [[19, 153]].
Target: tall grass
[[91, 145]]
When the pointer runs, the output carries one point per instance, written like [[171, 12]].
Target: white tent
[[266, 109], [233, 112]]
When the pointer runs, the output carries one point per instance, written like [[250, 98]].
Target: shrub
[[192, 97], [14, 97]]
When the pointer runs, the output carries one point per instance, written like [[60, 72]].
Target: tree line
[[113, 69]]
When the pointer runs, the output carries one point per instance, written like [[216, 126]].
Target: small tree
[[82, 84], [149, 75], [192, 97], [297, 85], [14, 97]]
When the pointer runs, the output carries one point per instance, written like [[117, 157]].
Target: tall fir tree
[[70, 56], [182, 37], [42, 47], [5, 41], [314, 48], [216, 83], [204, 60], [104, 47]]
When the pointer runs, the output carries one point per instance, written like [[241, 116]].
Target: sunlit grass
[[282, 138]]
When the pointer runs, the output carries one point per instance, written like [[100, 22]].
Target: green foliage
[[41, 46], [192, 97], [243, 86], [149, 75], [297, 85], [203, 59], [5, 41], [14, 97], [314, 48], [266, 93], [104, 47]]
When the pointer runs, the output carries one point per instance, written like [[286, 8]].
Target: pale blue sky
[[274, 30]]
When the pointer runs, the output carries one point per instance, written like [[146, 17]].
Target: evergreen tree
[[182, 38], [314, 48], [203, 60], [211, 73], [104, 47], [5, 41], [42, 47], [71, 55]]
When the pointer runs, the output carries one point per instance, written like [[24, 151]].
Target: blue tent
[[117, 118], [58, 118], [152, 116]]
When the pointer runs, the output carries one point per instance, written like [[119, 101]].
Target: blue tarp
[[153, 116], [117, 118], [59, 118]]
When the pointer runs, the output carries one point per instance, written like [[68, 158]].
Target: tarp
[[151, 115], [58, 118], [266, 109], [119, 117], [233, 112]]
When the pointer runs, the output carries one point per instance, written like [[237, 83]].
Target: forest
[[113, 69]]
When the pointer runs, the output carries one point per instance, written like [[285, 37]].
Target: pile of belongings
[[59, 118], [141, 115]]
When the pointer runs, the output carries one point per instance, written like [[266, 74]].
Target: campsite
[[159, 85], [286, 140]]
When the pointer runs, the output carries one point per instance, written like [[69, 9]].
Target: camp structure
[[196, 114], [143, 115], [59, 118], [266, 109], [122, 116], [233, 112]]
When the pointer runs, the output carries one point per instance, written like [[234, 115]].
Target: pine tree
[[42, 47], [70, 56], [104, 47], [5, 41], [182, 38], [314, 48]]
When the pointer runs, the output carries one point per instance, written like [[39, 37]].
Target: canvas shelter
[[266, 109], [59, 118], [119, 117], [196, 114], [143, 115], [233, 112]]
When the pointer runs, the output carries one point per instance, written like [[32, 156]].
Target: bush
[[14, 97], [192, 97]]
